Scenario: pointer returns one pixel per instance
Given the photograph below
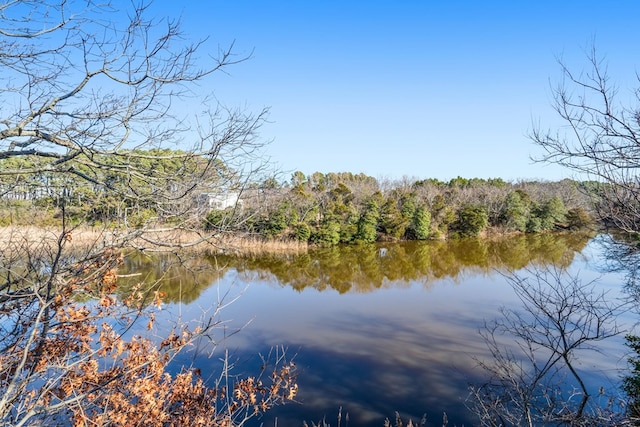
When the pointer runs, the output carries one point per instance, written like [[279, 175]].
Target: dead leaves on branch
[[140, 391], [73, 362]]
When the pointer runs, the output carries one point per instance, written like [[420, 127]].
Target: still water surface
[[374, 328]]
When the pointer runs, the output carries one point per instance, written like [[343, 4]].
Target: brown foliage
[[66, 359]]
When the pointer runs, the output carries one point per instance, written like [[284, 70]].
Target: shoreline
[[19, 237]]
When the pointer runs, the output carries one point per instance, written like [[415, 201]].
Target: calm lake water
[[374, 329]]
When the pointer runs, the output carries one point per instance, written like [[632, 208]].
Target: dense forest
[[322, 209], [332, 208]]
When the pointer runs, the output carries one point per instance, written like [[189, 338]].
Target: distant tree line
[[139, 186], [328, 209], [322, 209]]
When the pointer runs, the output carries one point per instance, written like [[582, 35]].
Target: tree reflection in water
[[364, 268], [357, 268], [367, 335]]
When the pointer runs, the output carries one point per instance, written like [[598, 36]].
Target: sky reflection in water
[[375, 334]]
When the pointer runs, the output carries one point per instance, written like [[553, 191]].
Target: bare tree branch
[[602, 141], [541, 384]]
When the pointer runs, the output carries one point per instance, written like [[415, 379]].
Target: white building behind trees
[[219, 201]]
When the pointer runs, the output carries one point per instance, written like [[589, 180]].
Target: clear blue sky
[[424, 89]]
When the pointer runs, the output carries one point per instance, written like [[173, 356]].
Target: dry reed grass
[[14, 237], [254, 246], [32, 237]]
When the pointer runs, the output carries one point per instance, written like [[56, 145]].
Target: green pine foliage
[[471, 221], [327, 234], [349, 227], [442, 216], [302, 231], [392, 221], [547, 216], [214, 220], [368, 223], [553, 213], [421, 223], [275, 224], [515, 214]]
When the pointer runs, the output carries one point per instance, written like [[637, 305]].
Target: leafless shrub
[[533, 375]]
